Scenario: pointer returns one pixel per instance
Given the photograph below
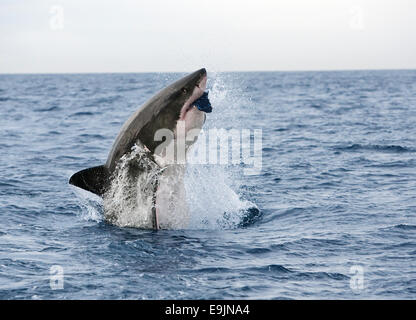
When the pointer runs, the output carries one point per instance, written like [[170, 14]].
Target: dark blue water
[[337, 191]]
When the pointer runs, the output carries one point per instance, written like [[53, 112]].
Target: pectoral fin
[[94, 179]]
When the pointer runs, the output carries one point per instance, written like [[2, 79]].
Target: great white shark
[[174, 109]]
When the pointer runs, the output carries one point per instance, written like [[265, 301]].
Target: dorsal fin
[[95, 179]]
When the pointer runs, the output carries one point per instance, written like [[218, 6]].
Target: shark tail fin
[[93, 179]]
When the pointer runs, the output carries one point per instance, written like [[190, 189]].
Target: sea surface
[[330, 215]]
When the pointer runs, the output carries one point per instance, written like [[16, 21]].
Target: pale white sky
[[43, 36]]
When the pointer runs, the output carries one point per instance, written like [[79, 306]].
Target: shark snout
[[199, 89], [197, 93]]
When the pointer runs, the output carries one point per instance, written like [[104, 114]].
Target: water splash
[[212, 200], [211, 190], [129, 200], [90, 204]]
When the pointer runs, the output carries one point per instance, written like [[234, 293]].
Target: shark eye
[[184, 90]]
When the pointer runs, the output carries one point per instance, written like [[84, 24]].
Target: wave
[[322, 275], [273, 268], [81, 114], [405, 227], [399, 227], [374, 147], [92, 136], [103, 100], [48, 109], [280, 270]]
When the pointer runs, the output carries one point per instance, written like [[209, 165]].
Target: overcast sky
[[42, 36]]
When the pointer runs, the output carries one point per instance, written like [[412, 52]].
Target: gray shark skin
[[162, 111]]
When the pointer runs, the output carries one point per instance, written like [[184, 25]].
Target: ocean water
[[331, 214]]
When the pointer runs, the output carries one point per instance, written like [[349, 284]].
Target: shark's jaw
[[176, 142], [197, 92]]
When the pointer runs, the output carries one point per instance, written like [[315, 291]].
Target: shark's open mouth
[[198, 98]]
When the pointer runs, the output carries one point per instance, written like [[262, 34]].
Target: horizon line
[[226, 71]]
